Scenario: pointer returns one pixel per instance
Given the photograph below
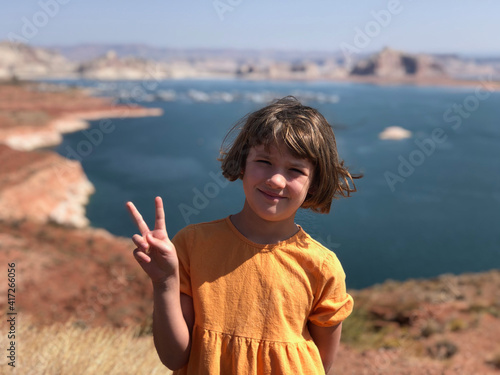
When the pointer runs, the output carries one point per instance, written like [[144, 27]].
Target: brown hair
[[307, 135]]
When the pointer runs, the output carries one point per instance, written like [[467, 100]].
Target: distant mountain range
[[138, 61]]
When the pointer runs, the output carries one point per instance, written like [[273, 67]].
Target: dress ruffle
[[230, 354]]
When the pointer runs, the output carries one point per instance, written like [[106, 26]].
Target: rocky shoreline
[[42, 185], [78, 272]]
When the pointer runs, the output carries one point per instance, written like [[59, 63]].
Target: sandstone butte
[[68, 271]]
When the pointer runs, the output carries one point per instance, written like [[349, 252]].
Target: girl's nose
[[277, 181]]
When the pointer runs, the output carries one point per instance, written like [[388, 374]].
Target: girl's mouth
[[270, 195]]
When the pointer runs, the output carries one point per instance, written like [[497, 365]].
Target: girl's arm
[[327, 340], [173, 314], [173, 319]]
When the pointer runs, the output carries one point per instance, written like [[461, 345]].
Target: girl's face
[[275, 182]]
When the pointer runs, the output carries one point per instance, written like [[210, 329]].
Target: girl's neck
[[263, 231]]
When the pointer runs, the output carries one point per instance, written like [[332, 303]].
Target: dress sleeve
[[332, 304], [183, 245]]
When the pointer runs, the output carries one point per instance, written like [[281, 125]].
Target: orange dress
[[252, 302]]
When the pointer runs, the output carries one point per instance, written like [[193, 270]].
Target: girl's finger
[[141, 257], [160, 215], [140, 242], [141, 224]]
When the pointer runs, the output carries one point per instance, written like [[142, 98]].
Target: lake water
[[427, 205]]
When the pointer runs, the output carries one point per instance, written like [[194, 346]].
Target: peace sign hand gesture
[[155, 253]]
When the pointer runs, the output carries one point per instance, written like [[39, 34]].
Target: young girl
[[253, 293]]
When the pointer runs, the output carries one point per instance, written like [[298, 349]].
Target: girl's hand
[[155, 253]]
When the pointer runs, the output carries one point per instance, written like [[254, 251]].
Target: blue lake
[[427, 205]]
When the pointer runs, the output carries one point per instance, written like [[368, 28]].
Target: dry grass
[[68, 349]]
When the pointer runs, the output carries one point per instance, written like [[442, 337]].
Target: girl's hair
[[307, 135]]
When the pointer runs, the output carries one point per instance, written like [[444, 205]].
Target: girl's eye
[[263, 161], [297, 171]]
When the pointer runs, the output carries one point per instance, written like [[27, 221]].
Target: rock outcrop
[[25, 62], [395, 133], [394, 64], [42, 186], [110, 67]]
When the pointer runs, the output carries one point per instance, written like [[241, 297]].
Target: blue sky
[[462, 26]]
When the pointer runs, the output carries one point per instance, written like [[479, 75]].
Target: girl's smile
[[272, 196]]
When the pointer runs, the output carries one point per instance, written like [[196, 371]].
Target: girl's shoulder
[[318, 254], [204, 229], [314, 246]]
